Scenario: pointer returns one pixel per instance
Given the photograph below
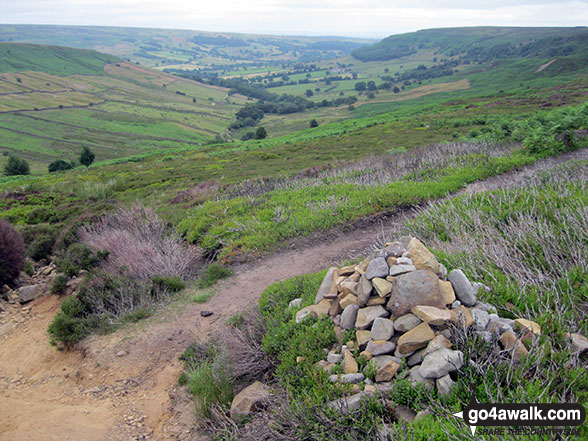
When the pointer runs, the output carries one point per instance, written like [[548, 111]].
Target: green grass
[[202, 297]]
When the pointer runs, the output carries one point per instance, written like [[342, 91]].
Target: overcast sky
[[357, 18]]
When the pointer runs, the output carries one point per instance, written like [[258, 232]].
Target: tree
[[60, 165], [371, 85], [260, 133], [87, 157], [396, 90], [313, 123], [360, 86], [16, 166], [309, 93]]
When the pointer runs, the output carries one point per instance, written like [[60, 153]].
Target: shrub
[[313, 123], [202, 297], [41, 247], [60, 165], [171, 284], [59, 284], [140, 243], [212, 274], [12, 253], [16, 166], [28, 268], [260, 133], [77, 257]]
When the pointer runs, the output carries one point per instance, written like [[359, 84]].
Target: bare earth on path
[[123, 386]]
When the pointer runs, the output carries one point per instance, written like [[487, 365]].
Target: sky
[[353, 18]]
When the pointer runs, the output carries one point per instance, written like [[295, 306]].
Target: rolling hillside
[[55, 100], [184, 48]]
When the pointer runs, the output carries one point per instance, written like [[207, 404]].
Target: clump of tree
[[87, 157], [313, 123], [60, 165], [12, 253], [260, 133], [16, 166]]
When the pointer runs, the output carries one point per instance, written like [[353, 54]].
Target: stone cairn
[[402, 304]]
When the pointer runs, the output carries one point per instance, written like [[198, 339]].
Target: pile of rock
[[402, 303]]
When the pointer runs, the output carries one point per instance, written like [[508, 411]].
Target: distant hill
[[174, 47], [53, 60], [480, 44]]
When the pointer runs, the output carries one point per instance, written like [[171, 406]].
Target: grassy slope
[[54, 100]]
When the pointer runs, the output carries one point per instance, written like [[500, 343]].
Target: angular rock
[[439, 363], [347, 270], [31, 292], [321, 309], [439, 342], [481, 319], [376, 300], [416, 338], [366, 316], [364, 291], [432, 315], [511, 343], [462, 287], [397, 248], [404, 413], [421, 257], [419, 287], [444, 385], [382, 286], [415, 378], [349, 299], [349, 316], [416, 358], [406, 322], [386, 371], [396, 270], [249, 400], [404, 261], [362, 338], [335, 308], [347, 378], [334, 358], [382, 329], [391, 261], [529, 325], [326, 366], [377, 268], [350, 366], [447, 292], [442, 272], [325, 285], [349, 287], [302, 314], [577, 343], [461, 316], [380, 347], [346, 405]]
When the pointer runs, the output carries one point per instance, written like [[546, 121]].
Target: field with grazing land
[[64, 99]]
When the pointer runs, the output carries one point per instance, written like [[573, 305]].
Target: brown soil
[[93, 394]]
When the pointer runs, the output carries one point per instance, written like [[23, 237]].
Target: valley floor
[[124, 386]]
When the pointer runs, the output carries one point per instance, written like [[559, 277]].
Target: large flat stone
[[366, 316], [421, 257], [462, 287], [382, 329], [416, 338], [325, 285], [419, 287], [31, 292], [377, 268], [439, 363], [249, 400]]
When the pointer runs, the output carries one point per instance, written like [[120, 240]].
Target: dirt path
[[123, 386]]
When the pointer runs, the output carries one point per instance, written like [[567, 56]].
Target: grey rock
[[348, 404], [377, 268], [337, 320], [419, 287], [349, 316], [481, 318], [367, 315], [405, 413], [380, 347], [397, 248], [442, 272], [295, 303], [334, 358], [404, 261], [439, 363], [444, 385], [31, 292], [325, 285], [381, 360], [406, 322], [486, 336], [396, 270], [398, 354], [455, 304], [462, 287], [415, 378], [347, 378], [382, 329], [416, 358], [364, 289]]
